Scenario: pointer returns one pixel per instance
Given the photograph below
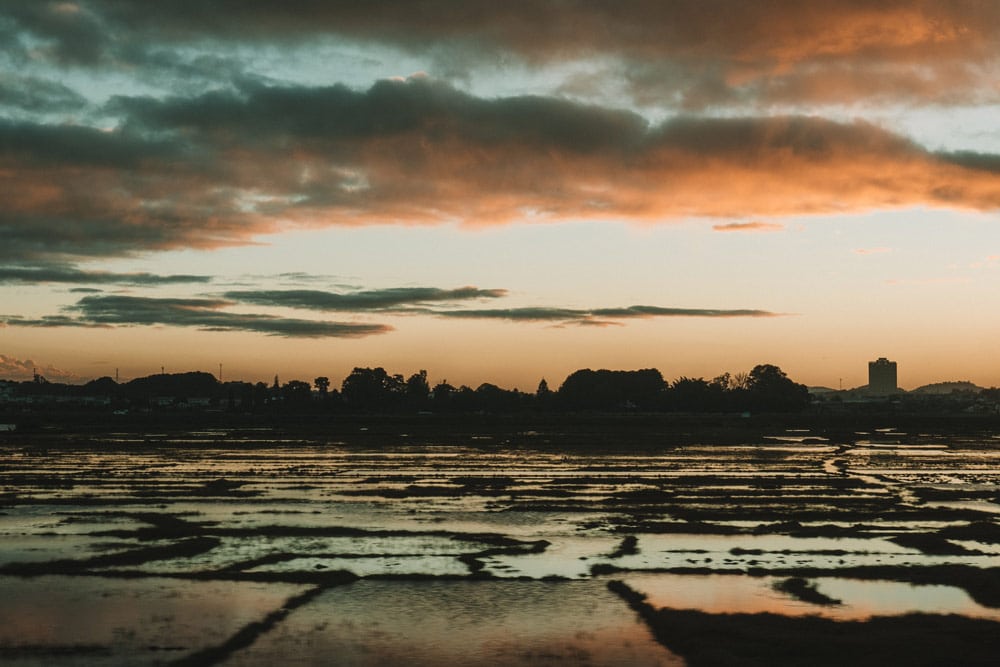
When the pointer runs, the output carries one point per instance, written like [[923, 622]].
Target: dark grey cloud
[[974, 160], [70, 274], [40, 145], [679, 52], [657, 311], [69, 32], [269, 114], [38, 95], [379, 299], [207, 314]]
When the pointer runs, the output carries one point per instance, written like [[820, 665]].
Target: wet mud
[[312, 546]]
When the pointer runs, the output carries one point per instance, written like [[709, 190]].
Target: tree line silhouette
[[766, 388]]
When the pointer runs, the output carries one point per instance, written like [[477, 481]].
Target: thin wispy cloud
[[362, 300], [201, 313], [217, 314], [429, 301], [749, 227], [597, 316], [70, 274], [871, 251]]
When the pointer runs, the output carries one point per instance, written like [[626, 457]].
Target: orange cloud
[[226, 167]]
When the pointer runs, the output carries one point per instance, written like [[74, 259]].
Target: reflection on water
[[462, 623], [96, 621], [859, 600], [494, 556]]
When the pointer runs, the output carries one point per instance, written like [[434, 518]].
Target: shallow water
[[859, 600], [95, 621], [452, 555], [461, 623]]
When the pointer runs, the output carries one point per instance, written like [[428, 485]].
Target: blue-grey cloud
[[34, 94], [597, 316], [203, 313], [52, 322], [71, 274], [363, 300]]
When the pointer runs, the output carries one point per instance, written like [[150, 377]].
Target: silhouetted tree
[[463, 399], [322, 384], [769, 389], [613, 390], [694, 395], [417, 390], [296, 394], [441, 395], [491, 398], [261, 395], [543, 396], [372, 389]]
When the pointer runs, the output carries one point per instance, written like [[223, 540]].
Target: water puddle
[[96, 621], [462, 623], [859, 600]]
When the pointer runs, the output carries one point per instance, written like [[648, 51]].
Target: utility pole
[[220, 372]]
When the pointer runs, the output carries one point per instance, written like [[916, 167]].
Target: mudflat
[[379, 542]]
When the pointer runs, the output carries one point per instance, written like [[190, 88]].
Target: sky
[[500, 192]]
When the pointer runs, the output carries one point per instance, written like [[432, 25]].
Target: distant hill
[[943, 388], [821, 390]]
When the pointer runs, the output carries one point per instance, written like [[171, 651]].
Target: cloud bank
[[680, 52], [220, 168], [216, 314], [204, 314], [19, 370]]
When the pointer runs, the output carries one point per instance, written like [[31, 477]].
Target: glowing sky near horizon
[[500, 192]]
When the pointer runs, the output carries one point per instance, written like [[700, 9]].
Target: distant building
[[882, 376]]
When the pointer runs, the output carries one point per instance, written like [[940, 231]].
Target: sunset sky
[[500, 191]]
